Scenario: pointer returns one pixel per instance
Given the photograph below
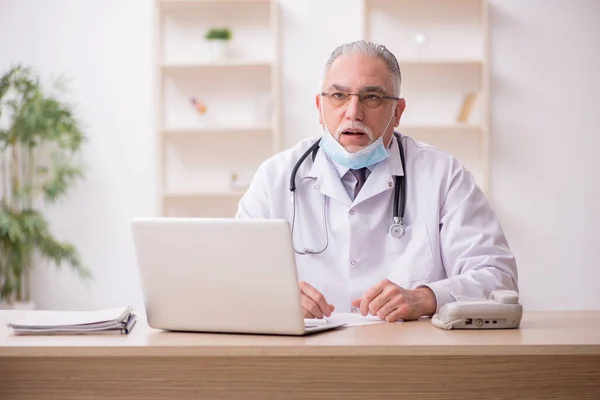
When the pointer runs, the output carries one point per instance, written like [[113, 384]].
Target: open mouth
[[353, 132]]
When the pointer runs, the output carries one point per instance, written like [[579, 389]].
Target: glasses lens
[[337, 99], [372, 100]]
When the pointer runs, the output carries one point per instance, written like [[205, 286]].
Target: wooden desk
[[554, 355]]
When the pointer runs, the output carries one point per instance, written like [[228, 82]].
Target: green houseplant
[[39, 140], [218, 34], [218, 39]]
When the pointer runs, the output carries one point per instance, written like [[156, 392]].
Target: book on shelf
[[119, 320], [467, 107]]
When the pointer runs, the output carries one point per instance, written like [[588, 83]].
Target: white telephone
[[501, 311]]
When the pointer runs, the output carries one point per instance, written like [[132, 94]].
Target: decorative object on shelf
[[241, 180], [467, 107], [218, 39], [39, 139], [198, 105], [420, 39]]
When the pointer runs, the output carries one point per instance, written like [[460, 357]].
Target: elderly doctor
[[382, 224]]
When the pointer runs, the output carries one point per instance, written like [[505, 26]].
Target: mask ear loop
[[325, 129], [390, 120]]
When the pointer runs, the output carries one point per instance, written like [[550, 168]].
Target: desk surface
[[545, 332]]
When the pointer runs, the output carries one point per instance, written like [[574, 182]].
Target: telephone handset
[[501, 311]]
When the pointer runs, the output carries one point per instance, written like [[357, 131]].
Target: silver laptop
[[220, 275]]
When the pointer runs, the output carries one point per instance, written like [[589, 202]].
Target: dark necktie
[[360, 176]]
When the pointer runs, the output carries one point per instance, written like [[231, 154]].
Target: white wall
[[544, 94], [105, 47], [546, 135]]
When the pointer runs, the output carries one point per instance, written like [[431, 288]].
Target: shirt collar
[[342, 170]]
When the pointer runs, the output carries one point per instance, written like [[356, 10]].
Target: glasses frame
[[360, 96]]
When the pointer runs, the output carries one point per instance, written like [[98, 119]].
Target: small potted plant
[[40, 138], [218, 39]]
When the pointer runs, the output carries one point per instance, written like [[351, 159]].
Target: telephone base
[[501, 311], [475, 323]]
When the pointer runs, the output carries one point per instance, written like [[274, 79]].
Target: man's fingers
[[317, 298], [369, 295], [391, 297], [307, 313], [305, 285], [310, 306], [387, 309], [378, 302], [400, 313]]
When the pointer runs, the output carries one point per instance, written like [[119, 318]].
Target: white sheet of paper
[[350, 319]]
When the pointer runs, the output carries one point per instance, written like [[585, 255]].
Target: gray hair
[[368, 49]]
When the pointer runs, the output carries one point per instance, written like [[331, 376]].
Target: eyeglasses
[[370, 100]]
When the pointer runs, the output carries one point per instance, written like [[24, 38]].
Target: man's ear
[[400, 106], [318, 104]]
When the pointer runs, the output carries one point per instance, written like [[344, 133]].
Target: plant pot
[[218, 49], [17, 305]]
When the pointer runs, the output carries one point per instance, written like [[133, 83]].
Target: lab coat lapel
[[382, 175], [328, 181]]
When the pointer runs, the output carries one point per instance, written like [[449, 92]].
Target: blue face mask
[[372, 154]]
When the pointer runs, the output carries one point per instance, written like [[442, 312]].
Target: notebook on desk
[[220, 275], [119, 320]]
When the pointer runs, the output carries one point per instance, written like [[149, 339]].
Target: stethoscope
[[397, 227]]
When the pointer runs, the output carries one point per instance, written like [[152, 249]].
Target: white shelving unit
[[442, 49], [206, 159]]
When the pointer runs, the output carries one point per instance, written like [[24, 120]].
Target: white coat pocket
[[410, 258]]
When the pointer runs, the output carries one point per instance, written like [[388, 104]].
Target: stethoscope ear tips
[[396, 230]]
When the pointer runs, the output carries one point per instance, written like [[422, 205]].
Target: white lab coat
[[453, 242]]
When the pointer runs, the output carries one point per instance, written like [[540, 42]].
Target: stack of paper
[[115, 320]]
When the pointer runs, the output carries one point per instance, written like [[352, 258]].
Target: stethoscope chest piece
[[397, 230]]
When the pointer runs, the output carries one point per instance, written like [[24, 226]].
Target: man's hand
[[314, 304], [390, 302]]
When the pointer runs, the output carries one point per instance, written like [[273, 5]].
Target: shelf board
[[192, 67], [442, 74], [435, 66], [440, 61], [441, 129], [211, 1], [234, 130], [196, 195], [170, 4]]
